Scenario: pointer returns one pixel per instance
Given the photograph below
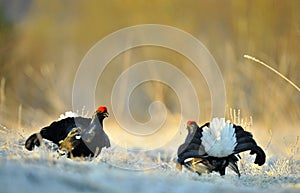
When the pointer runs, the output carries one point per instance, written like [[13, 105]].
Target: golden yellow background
[[43, 42]]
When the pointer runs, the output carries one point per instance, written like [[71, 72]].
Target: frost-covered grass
[[119, 170]]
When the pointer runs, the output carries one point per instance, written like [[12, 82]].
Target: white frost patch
[[120, 171], [68, 114], [219, 139]]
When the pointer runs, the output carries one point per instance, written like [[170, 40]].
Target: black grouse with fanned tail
[[215, 146], [76, 136]]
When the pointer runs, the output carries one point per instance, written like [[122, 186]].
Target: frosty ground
[[122, 171]]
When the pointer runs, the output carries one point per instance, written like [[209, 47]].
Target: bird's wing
[[58, 130], [190, 154], [246, 142]]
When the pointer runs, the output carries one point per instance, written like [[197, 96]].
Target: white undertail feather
[[219, 139]]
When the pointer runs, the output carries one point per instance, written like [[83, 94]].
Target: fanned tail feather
[[246, 142], [219, 139]]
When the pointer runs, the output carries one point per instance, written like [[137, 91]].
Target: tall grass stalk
[[272, 69], [2, 93], [19, 116]]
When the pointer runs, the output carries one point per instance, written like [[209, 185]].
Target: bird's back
[[58, 130]]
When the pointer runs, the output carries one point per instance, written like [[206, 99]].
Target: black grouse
[[76, 136], [215, 146]]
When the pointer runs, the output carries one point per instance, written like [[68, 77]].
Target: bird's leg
[[222, 171]]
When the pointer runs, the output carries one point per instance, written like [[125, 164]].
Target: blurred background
[[43, 42]]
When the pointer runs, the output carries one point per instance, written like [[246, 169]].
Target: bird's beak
[[106, 114]]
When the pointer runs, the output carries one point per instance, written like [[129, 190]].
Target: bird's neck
[[191, 133], [96, 120]]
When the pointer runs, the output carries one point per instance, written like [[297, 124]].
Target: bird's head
[[191, 126], [102, 112]]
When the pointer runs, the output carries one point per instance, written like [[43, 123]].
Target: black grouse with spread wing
[[77, 136], [215, 146]]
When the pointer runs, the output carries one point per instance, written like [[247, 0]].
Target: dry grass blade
[[272, 69]]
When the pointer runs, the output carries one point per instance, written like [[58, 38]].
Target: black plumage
[[87, 139], [192, 152]]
